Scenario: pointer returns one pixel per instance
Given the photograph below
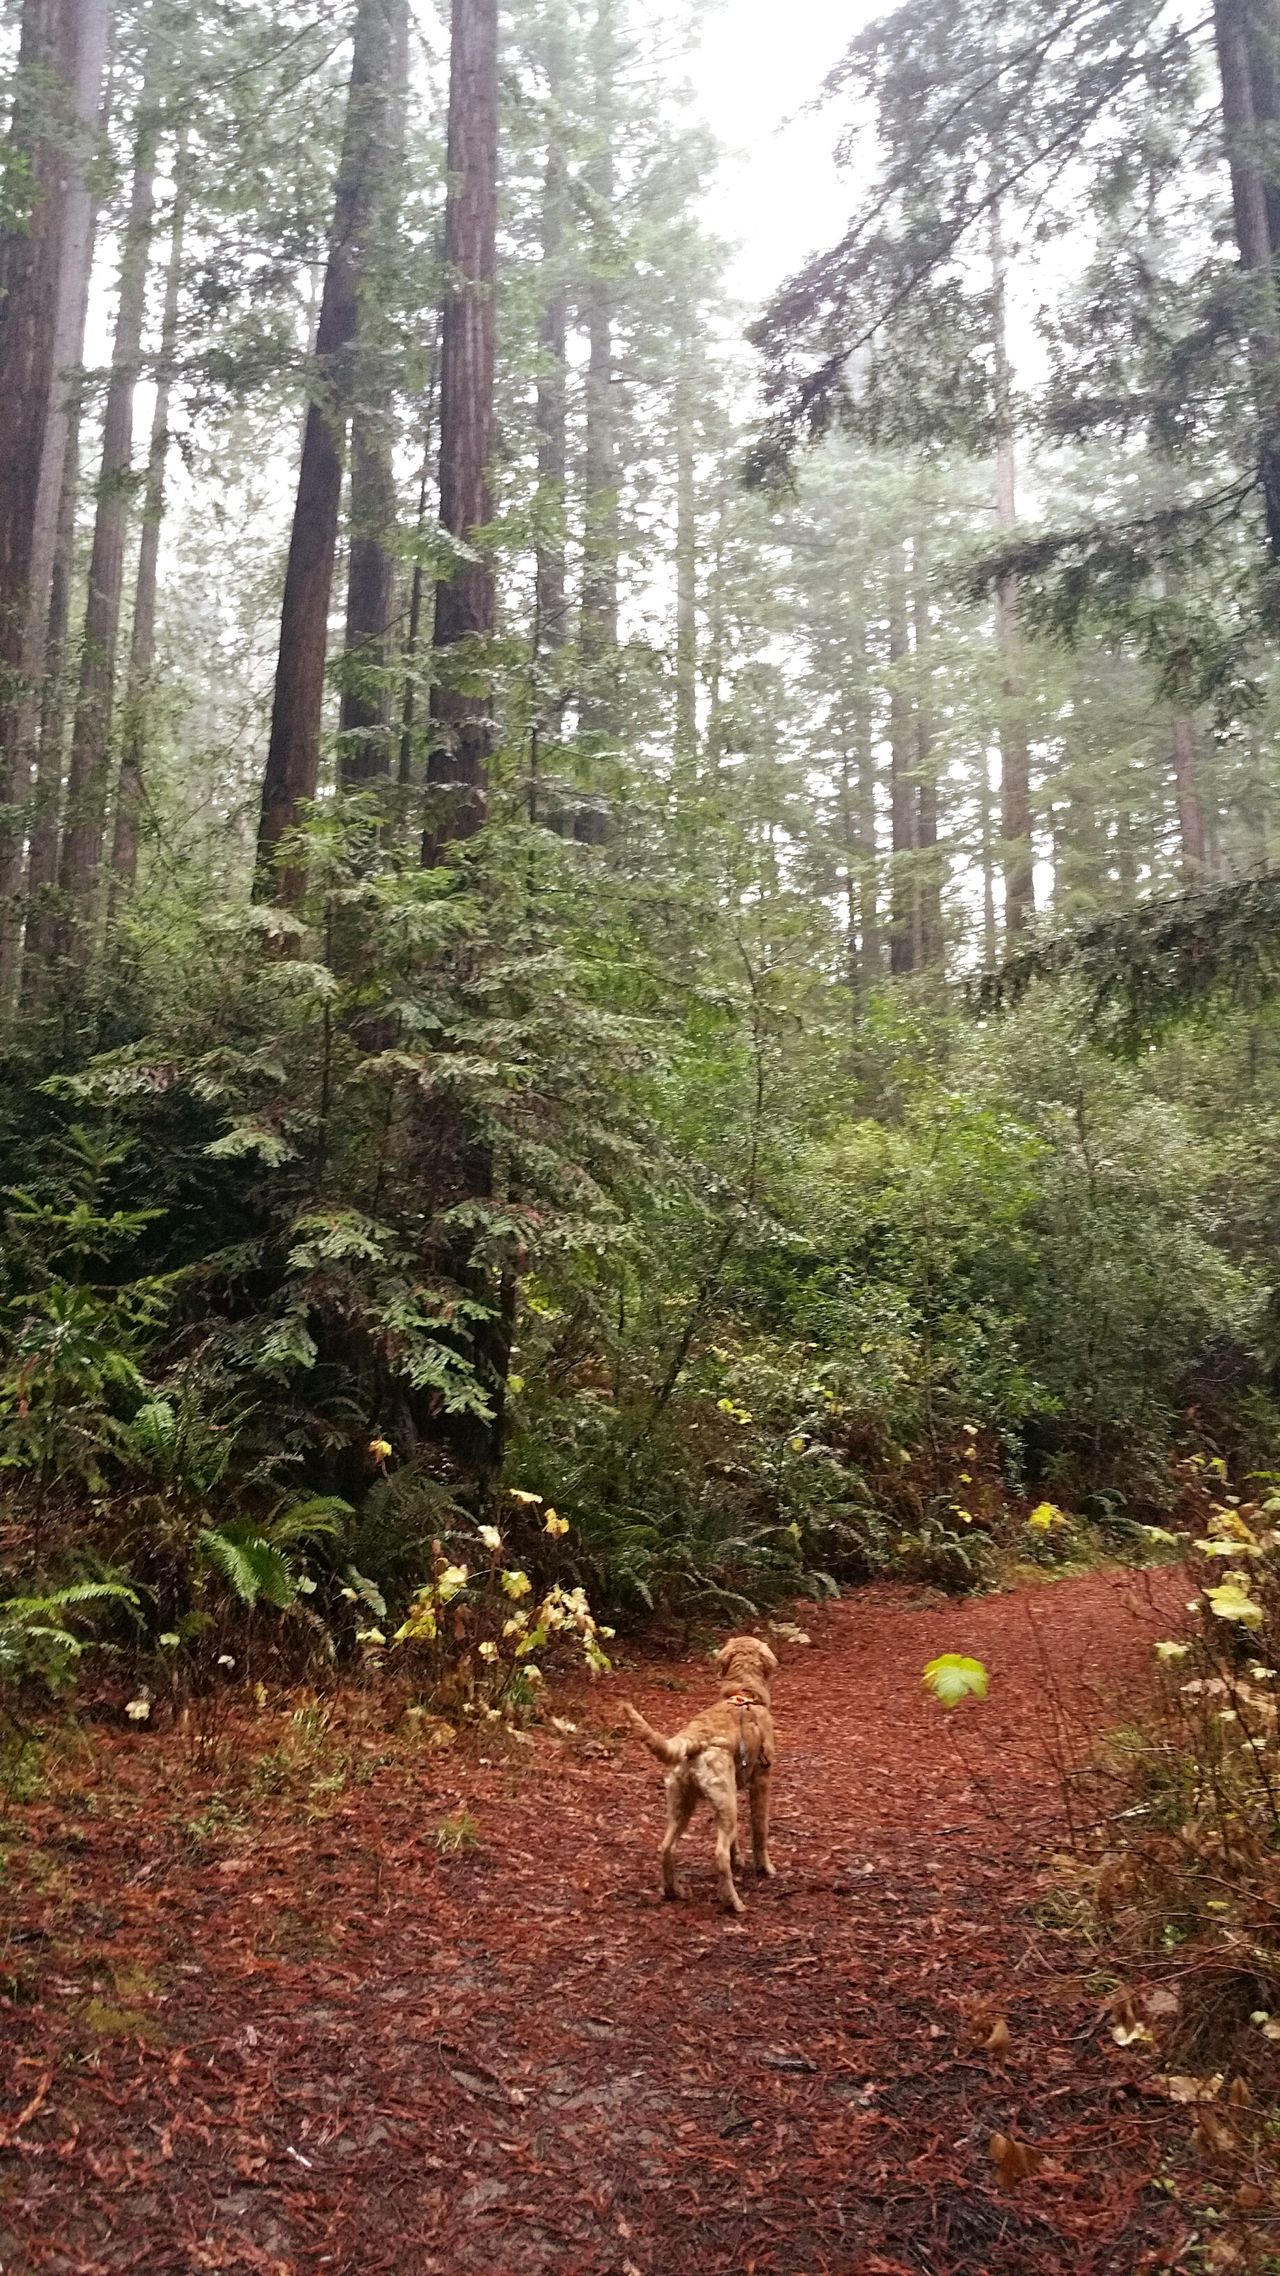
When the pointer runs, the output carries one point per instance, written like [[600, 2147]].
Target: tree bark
[[1015, 755], [550, 416], [40, 938], [44, 261], [987, 859], [856, 804], [686, 723], [902, 783], [417, 590], [88, 774], [1249, 200], [142, 643], [292, 771], [364, 720], [1191, 824], [458, 764], [930, 941], [869, 884], [716, 648], [598, 631]]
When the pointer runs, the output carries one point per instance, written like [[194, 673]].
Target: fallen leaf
[[1161, 2003], [1014, 2161], [1180, 2086], [1000, 2038], [1212, 2136]]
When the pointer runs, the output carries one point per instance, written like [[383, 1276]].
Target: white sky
[[778, 196]]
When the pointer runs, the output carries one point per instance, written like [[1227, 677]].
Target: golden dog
[[730, 1745]]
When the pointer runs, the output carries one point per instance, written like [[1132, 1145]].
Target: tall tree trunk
[[41, 899], [364, 719], [142, 643], [1241, 119], [292, 771], [457, 792], [1191, 824], [716, 631], [88, 774], [902, 782], [869, 884], [847, 809], [929, 862], [686, 724], [857, 811], [987, 860], [44, 263], [417, 588], [1015, 755], [1126, 853], [458, 765], [40, 939], [551, 409], [598, 631]]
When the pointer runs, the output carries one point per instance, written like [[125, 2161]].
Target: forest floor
[[259, 2018]]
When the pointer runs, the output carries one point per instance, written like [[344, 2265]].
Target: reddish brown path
[[291, 2036]]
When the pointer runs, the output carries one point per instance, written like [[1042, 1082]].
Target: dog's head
[[746, 1664]]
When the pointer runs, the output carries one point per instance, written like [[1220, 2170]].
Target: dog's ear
[[725, 1653], [770, 1658]]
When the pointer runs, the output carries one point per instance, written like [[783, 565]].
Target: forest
[[639, 940]]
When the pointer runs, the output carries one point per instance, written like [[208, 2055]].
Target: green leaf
[[952, 1678], [252, 1567]]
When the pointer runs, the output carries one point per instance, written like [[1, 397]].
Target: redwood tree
[[598, 635], [292, 768], [142, 642], [44, 255], [88, 773], [457, 771], [365, 715]]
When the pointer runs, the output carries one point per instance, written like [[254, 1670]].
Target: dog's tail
[[667, 1750]]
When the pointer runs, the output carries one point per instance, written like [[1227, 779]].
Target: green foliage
[[1172, 959], [39, 1638]]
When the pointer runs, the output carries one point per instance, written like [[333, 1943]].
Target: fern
[[254, 1569], [36, 1638], [324, 1516]]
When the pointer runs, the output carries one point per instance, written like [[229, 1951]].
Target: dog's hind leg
[[760, 1825], [681, 1803], [726, 1809]]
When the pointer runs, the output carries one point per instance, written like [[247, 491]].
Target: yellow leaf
[[952, 1678], [1045, 1515], [1232, 1601], [518, 1494]]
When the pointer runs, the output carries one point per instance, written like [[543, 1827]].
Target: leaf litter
[[340, 2046]]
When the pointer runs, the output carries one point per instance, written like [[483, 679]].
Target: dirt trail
[[261, 2044]]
